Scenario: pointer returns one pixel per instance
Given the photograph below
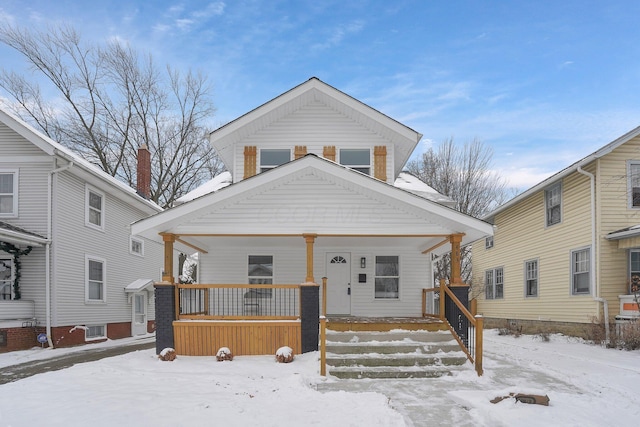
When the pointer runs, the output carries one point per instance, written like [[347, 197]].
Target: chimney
[[143, 182]]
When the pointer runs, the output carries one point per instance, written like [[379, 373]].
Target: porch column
[[310, 239], [167, 275], [456, 278]]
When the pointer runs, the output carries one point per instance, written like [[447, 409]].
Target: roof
[[566, 171], [18, 236], [405, 139], [54, 148], [139, 285], [624, 233], [213, 185]]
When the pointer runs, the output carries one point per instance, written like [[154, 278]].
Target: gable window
[[136, 246], [488, 242], [95, 332], [633, 174], [6, 278], [260, 272], [94, 208], [494, 283], [95, 272], [580, 271], [531, 278], [387, 277], [272, 158], [8, 193], [553, 202], [358, 159]]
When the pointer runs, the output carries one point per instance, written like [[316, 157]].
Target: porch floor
[[383, 324]]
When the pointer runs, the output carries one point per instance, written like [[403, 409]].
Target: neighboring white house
[[85, 277], [310, 193]]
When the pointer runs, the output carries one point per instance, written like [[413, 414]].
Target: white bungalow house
[[70, 271], [309, 194]]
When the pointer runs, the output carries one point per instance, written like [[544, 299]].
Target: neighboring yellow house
[[564, 252]]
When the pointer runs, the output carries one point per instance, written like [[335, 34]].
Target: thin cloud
[[338, 34]]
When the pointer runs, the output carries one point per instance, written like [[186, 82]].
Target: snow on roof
[[213, 185], [413, 184], [138, 285]]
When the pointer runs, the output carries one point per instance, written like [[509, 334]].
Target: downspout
[[594, 281], [47, 258]]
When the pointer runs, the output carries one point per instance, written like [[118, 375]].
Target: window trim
[[631, 163], [356, 167], [488, 242], [376, 277], [15, 194], [630, 271], [264, 168], [573, 273], [526, 278], [546, 204], [493, 283], [88, 300], [137, 240], [258, 292], [12, 266], [95, 338], [87, 208]]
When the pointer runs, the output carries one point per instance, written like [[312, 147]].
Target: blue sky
[[544, 83]]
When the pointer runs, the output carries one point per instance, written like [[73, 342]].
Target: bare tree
[[465, 175], [109, 101]]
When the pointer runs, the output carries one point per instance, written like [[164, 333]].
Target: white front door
[[338, 283], [139, 321]]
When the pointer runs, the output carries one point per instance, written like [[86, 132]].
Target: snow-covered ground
[[587, 386]]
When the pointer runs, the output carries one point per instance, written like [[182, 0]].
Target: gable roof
[[90, 171], [206, 215], [565, 172], [405, 139]]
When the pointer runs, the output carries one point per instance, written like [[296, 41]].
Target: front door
[[338, 283], [139, 321]]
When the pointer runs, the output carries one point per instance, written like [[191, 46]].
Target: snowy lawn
[[587, 386]]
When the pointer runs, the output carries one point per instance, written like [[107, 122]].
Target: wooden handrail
[[231, 286]]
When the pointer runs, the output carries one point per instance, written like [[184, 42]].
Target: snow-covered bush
[[284, 355], [167, 355], [224, 354]]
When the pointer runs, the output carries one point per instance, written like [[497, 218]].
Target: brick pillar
[[165, 315], [309, 317]]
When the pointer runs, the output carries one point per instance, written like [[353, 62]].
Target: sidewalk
[[46, 360]]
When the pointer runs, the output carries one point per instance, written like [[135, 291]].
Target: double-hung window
[[580, 271], [260, 273], [94, 208], [272, 158], [358, 159], [6, 278], [633, 183], [494, 283], [387, 277], [553, 203], [8, 193], [634, 270], [136, 246], [531, 278], [95, 284]]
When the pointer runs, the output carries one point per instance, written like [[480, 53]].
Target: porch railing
[[237, 302], [433, 305]]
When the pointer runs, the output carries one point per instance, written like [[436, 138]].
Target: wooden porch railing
[[433, 305], [237, 302], [323, 330]]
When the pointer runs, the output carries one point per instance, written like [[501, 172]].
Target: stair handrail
[[323, 330]]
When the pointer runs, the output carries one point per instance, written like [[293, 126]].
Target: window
[[553, 201], [95, 279], [8, 193], [271, 158], [488, 242], [634, 270], [136, 246], [531, 278], [387, 277], [94, 209], [494, 283], [260, 273], [358, 159], [634, 183], [580, 271], [6, 278], [95, 332]]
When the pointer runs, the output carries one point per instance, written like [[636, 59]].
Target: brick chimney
[[143, 182]]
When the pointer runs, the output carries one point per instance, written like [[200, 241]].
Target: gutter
[[594, 241], [48, 249]]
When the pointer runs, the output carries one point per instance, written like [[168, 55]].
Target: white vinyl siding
[[387, 277], [531, 278], [9, 193], [94, 208], [553, 204], [580, 271], [95, 279]]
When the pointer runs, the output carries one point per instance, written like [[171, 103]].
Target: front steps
[[393, 354]]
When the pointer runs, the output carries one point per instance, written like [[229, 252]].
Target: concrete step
[[453, 359], [386, 373], [367, 336], [390, 348]]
